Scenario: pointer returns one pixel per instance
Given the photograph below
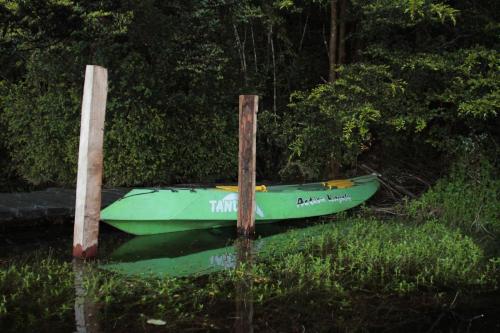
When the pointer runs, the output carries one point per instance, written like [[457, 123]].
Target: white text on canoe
[[311, 201], [229, 204]]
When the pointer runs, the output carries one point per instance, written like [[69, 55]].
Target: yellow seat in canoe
[[338, 183], [234, 188]]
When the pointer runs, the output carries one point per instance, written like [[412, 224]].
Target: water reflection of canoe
[[154, 211], [196, 263], [178, 244], [195, 252]]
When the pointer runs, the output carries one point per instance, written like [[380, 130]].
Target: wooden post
[[90, 156], [246, 164]]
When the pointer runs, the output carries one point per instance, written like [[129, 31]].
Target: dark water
[[205, 251], [115, 245], [55, 238]]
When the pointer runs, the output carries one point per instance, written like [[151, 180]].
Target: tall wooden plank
[[90, 163], [246, 164]]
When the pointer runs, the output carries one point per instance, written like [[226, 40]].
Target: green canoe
[[155, 211]]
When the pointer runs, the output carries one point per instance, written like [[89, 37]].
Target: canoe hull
[[154, 211], [159, 227]]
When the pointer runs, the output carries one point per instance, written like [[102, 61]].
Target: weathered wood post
[[246, 164], [90, 160]]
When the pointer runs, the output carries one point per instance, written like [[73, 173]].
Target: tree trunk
[[274, 70], [355, 42], [254, 49], [342, 29], [241, 51], [333, 41]]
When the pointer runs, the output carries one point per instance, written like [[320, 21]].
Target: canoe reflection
[[193, 252]]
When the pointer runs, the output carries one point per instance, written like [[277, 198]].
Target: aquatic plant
[[469, 198], [383, 256], [310, 274], [36, 292]]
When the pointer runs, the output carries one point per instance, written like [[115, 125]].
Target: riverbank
[[353, 273]]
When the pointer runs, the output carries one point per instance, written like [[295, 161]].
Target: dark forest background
[[407, 87]]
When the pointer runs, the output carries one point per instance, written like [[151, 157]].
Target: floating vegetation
[[334, 271]]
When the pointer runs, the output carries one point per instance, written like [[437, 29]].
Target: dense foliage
[[415, 79]]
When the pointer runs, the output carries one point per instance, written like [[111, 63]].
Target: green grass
[[383, 256], [357, 262], [469, 198], [35, 292]]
